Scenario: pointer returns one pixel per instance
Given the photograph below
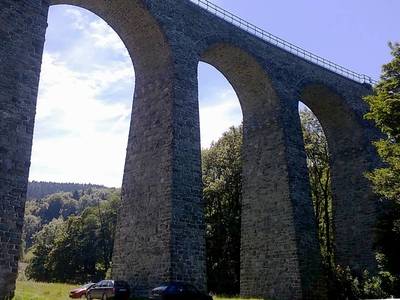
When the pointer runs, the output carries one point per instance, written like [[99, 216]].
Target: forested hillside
[[40, 189], [68, 236]]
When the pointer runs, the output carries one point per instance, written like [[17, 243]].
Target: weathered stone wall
[[278, 226], [22, 28], [160, 234], [272, 243], [352, 154]]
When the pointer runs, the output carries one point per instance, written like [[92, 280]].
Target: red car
[[81, 291]]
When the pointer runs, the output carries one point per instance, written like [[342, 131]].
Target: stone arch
[[152, 244], [272, 233], [151, 238], [227, 58], [137, 28], [348, 136], [152, 60], [219, 110]]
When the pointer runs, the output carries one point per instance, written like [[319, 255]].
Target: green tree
[[39, 212], [32, 225], [44, 243], [56, 205], [79, 248], [222, 168], [317, 152], [385, 112], [75, 253]]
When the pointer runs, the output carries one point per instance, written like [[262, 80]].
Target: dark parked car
[[81, 291], [178, 291], [109, 289]]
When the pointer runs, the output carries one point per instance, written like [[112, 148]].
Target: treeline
[[40, 189], [39, 212], [69, 237]]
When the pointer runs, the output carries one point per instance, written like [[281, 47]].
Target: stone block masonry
[[22, 28], [161, 232]]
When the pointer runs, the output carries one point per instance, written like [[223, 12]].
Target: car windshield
[[88, 285]]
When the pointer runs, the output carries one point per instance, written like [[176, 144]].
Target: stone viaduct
[[160, 234]]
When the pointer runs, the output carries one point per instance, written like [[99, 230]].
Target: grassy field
[[29, 290]]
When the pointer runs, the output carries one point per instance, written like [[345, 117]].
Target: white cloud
[[94, 41], [94, 28], [84, 106], [79, 20], [76, 94], [219, 116], [92, 148], [105, 37]]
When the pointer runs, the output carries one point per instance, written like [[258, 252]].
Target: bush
[[344, 284]]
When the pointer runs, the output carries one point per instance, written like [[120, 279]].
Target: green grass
[[30, 290]]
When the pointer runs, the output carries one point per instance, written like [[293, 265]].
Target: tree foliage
[[44, 240], [385, 112], [222, 168], [317, 152], [77, 248], [41, 189], [39, 212]]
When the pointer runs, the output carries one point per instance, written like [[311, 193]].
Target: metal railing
[[277, 41]]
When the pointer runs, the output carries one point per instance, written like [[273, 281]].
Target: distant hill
[[40, 189]]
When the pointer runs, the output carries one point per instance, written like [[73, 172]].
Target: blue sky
[[87, 79], [352, 33]]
